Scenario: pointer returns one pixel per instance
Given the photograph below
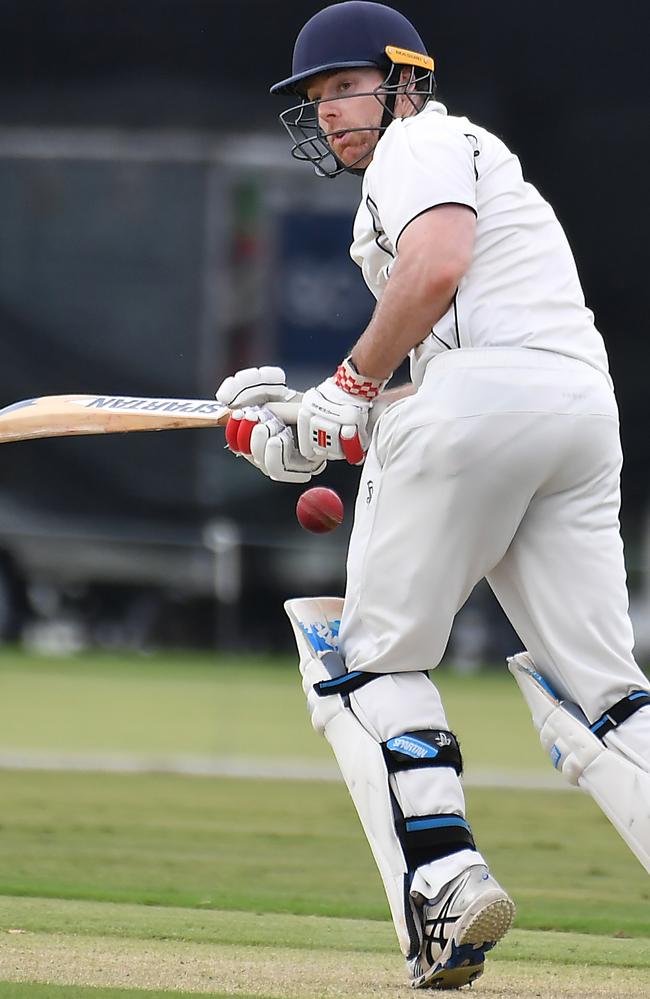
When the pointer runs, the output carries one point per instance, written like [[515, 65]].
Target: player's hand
[[255, 387], [333, 419], [268, 444]]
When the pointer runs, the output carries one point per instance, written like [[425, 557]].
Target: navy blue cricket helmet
[[351, 34]]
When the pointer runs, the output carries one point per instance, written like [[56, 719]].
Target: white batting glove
[[333, 419], [255, 387], [256, 434]]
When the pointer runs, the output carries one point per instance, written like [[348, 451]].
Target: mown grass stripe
[[281, 768], [47, 990], [259, 846], [171, 967], [308, 933]]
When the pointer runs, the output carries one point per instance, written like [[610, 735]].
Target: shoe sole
[[482, 931], [490, 924]]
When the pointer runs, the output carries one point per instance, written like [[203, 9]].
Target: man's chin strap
[[618, 785]]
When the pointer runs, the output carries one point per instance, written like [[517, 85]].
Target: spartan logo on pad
[[321, 438]]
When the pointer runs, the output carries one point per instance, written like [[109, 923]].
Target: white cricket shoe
[[469, 916]]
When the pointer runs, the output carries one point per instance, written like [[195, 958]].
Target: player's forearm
[[395, 394], [388, 397], [435, 250], [413, 302]]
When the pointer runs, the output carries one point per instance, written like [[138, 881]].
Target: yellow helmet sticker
[[407, 58]]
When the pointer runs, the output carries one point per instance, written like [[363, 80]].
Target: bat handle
[[285, 411]]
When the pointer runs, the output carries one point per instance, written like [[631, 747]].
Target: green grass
[[218, 705], [108, 875], [226, 953], [309, 933], [287, 847], [34, 990]]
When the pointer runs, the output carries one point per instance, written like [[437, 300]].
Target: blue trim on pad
[[412, 825], [338, 680], [322, 637], [545, 684], [409, 745]]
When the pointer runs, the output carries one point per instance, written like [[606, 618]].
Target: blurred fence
[[155, 263]]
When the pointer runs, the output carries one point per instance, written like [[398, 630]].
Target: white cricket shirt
[[522, 288]]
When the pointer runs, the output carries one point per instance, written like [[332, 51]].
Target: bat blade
[[75, 415]]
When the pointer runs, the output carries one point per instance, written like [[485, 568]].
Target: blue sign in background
[[321, 302]]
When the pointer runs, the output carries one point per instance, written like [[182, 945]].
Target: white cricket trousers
[[505, 464]]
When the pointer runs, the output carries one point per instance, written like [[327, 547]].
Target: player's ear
[[405, 104]]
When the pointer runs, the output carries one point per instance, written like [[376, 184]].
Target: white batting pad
[[619, 788], [359, 726], [315, 624]]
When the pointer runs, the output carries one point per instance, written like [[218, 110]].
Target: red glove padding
[[333, 419], [352, 447], [238, 432], [256, 434]]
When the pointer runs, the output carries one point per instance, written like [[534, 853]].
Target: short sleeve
[[420, 164]]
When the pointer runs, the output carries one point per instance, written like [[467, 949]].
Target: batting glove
[[267, 443], [333, 419], [255, 387]]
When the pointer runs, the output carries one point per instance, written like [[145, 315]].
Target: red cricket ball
[[319, 510]]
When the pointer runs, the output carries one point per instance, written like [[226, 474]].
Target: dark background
[[566, 85]]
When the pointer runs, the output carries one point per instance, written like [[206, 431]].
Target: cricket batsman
[[501, 460]]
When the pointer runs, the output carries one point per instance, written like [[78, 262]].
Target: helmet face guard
[[310, 140], [351, 35]]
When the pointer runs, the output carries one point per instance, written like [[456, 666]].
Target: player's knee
[[423, 748], [397, 702]]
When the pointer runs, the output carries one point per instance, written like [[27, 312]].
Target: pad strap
[[429, 837], [620, 712], [340, 681], [345, 684], [423, 748]]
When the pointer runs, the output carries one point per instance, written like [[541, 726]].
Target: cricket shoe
[[468, 917]]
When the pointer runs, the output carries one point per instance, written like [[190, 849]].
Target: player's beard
[[355, 147]]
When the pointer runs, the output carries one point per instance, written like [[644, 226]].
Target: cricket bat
[[74, 415]]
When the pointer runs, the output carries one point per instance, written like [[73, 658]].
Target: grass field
[[248, 708], [149, 884]]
